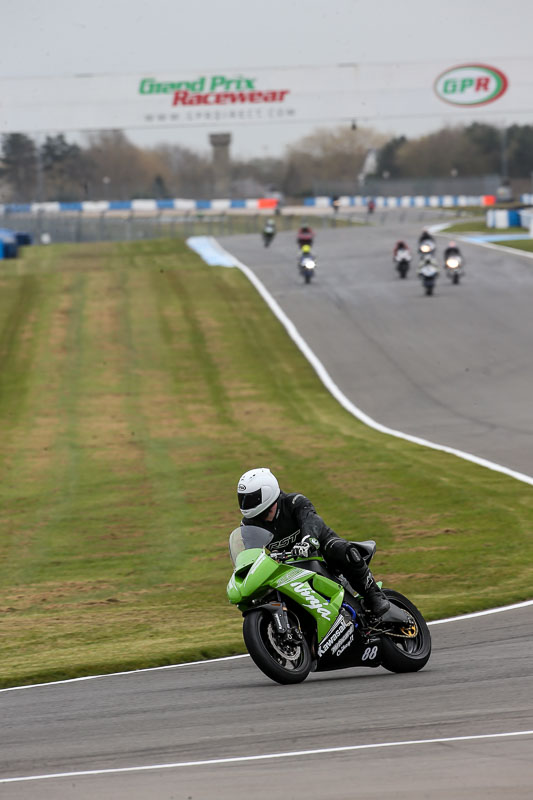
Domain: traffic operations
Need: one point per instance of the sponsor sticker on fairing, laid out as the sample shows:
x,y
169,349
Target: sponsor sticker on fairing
x,y
337,629
344,642
291,575
314,601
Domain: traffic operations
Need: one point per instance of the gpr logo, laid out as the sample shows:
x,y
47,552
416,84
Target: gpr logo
x,y
471,85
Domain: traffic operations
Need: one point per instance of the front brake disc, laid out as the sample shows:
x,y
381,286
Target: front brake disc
x,y
289,651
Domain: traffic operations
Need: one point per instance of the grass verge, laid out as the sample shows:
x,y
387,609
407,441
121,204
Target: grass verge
x,y
136,385
521,244
480,226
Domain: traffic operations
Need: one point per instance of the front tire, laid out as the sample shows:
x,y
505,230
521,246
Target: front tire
x,y
283,662
401,654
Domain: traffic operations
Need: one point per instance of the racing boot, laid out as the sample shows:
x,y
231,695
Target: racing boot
x,y
346,557
373,598
362,579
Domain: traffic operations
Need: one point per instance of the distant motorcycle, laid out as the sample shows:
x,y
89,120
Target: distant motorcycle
x,y
307,266
453,266
426,247
428,274
402,259
268,234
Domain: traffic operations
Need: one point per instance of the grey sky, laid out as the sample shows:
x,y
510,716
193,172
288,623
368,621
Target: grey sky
x,y
61,37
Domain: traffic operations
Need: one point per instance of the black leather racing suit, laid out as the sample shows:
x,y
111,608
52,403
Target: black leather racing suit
x,y
295,518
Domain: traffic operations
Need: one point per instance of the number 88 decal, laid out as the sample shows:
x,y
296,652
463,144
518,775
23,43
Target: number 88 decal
x,y
370,653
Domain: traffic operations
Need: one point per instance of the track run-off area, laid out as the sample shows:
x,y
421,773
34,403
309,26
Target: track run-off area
x,y
454,369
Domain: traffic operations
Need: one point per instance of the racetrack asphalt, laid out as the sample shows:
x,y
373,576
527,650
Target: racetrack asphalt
x,y
478,682
454,368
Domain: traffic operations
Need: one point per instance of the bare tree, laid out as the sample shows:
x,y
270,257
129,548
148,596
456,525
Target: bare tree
x,y
328,156
121,170
187,174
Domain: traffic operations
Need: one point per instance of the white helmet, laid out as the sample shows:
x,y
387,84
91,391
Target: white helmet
x,y
257,490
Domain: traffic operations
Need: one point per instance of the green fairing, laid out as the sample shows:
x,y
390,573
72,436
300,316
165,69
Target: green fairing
x,y
247,558
255,572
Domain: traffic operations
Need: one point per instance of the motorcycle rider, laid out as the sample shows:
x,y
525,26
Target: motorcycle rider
x,y
452,250
425,236
305,252
296,526
269,227
305,236
400,245
269,231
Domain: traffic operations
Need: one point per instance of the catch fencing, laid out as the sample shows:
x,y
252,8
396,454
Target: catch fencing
x,y
108,227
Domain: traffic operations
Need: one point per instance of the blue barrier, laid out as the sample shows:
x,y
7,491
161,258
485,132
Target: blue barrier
x,y
9,243
118,205
70,207
346,201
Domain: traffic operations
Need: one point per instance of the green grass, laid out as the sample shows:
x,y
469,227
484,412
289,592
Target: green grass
x,y
136,385
521,244
480,226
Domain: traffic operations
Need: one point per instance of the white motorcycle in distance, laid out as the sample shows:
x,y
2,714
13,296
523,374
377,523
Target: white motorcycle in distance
x,y
402,260
428,272
307,266
453,265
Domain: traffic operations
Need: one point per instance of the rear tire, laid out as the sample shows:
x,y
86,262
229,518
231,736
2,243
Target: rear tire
x,y
283,663
406,655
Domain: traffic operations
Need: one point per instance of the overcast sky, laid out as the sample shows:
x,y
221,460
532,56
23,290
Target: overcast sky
x,y
62,37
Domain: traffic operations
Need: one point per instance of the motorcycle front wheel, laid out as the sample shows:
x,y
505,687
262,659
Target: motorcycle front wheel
x,y
409,652
282,660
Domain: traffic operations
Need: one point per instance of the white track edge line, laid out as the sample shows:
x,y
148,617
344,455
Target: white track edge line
x,y
514,251
332,387
459,618
264,757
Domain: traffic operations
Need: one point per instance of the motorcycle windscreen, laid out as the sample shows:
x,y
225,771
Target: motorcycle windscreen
x,y
247,537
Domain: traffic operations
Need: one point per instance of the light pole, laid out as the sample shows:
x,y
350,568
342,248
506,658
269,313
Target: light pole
x,y
503,154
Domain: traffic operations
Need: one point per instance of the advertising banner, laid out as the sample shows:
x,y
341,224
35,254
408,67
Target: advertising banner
x,y
385,96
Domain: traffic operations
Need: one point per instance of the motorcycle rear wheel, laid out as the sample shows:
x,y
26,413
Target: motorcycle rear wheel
x,y
406,655
282,662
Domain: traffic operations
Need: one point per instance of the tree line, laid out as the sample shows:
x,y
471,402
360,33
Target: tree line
x,y
109,166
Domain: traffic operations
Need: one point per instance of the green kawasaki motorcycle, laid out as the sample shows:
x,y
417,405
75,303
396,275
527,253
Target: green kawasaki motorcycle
x,y
299,617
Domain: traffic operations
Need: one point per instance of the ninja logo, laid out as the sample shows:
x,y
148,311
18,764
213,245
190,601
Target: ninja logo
x,y
313,600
